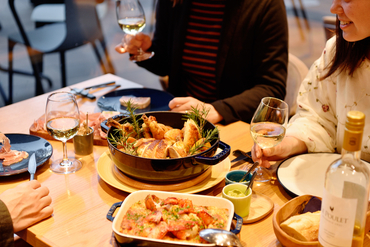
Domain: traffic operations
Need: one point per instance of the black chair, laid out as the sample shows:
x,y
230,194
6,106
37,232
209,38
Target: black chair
x,y
8,100
304,15
81,26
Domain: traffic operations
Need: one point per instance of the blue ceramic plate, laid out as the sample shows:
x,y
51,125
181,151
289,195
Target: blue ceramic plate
x,y
158,100
31,144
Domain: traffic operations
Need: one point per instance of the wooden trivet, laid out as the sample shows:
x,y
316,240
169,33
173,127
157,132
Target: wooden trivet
x,y
161,187
260,207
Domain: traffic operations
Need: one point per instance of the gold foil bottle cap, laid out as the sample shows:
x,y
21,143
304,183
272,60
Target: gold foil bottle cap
x,y
355,121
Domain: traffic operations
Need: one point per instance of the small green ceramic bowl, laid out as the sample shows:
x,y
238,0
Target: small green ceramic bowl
x,y
235,176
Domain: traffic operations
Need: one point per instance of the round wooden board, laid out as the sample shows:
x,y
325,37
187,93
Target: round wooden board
x,y
161,187
260,207
105,172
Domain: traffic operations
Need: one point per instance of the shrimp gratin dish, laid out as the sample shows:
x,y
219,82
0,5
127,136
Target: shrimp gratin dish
x,y
171,217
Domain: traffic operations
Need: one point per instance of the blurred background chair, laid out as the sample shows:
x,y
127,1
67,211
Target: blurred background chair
x,y
51,11
297,71
329,23
48,13
2,93
8,100
81,26
298,19
19,72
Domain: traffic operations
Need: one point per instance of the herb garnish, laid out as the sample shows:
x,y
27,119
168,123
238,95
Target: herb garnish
x,y
135,123
121,139
199,117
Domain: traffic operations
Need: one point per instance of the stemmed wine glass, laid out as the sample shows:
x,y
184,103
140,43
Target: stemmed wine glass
x,y
131,19
268,128
62,119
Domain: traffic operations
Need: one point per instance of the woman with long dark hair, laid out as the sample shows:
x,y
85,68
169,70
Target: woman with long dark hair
x,y
338,82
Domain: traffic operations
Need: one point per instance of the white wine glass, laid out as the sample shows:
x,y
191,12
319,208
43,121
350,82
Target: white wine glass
x,y
62,119
268,127
131,19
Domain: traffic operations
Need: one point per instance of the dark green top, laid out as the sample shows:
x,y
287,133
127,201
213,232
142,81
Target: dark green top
x,y
6,227
252,59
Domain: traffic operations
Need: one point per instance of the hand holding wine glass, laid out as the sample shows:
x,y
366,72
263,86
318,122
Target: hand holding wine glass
x,y
131,19
62,119
268,127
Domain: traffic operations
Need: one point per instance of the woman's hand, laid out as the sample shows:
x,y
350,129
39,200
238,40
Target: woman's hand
x,y
183,104
131,44
27,204
288,147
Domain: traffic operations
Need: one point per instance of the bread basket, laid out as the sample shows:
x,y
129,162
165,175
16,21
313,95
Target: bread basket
x,y
293,207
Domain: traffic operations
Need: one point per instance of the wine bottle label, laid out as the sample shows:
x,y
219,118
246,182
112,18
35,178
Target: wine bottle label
x,y
337,220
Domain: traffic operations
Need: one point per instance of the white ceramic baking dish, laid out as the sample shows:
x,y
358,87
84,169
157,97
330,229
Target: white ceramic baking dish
x,y
140,195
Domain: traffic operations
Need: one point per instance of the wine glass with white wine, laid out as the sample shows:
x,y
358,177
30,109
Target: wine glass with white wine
x,y
62,119
268,128
131,19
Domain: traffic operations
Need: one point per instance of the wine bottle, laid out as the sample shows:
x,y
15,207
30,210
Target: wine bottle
x,y
346,191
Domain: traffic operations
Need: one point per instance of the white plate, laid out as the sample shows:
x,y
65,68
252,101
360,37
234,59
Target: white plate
x,y
305,174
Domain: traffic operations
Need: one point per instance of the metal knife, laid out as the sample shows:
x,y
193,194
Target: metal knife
x,y
83,92
255,164
32,166
107,84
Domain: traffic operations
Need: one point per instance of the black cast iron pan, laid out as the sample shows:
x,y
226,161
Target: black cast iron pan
x,y
165,170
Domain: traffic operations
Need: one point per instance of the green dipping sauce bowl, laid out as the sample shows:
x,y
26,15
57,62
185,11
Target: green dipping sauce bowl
x,y
242,200
235,193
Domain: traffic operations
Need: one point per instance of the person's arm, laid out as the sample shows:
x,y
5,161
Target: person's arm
x,y
162,40
131,44
6,227
161,43
27,204
261,68
184,104
290,146
316,120
313,127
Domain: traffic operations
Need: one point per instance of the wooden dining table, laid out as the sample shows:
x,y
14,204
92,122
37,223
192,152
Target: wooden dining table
x,y
82,199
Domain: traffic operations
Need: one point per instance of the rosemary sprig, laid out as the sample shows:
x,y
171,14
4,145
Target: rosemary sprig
x,y
120,140
209,136
199,117
135,123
